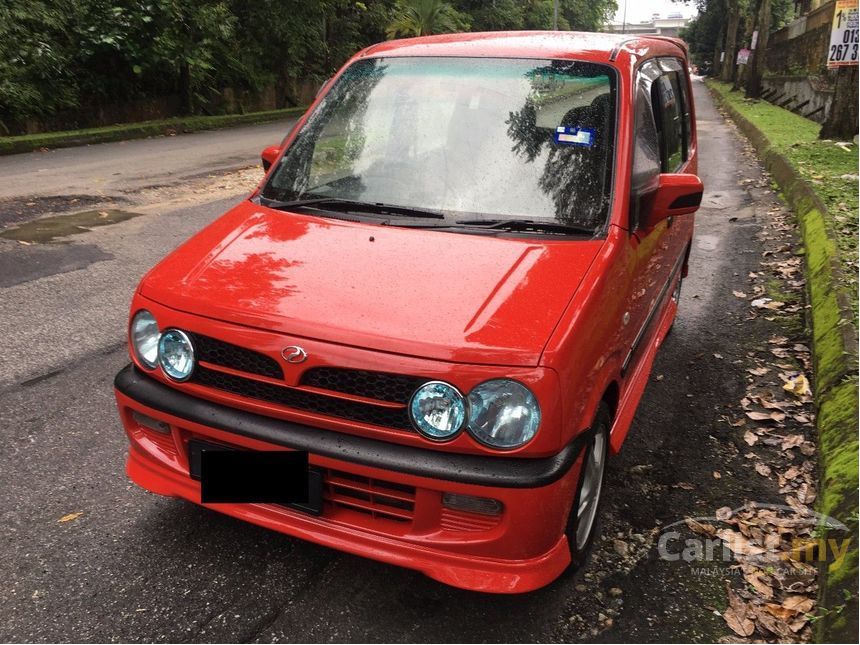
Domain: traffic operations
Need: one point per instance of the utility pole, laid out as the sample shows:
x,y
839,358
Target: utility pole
x,y
555,15
624,19
757,66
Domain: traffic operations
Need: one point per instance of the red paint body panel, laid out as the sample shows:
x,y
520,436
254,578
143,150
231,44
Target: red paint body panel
x,y
458,298
578,322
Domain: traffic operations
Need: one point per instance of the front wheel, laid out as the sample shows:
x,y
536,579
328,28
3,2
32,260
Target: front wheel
x,y
582,522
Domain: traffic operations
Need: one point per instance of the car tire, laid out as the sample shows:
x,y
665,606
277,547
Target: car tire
x,y
583,522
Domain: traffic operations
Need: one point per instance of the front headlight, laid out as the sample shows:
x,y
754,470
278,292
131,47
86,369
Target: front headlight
x,y
503,414
437,410
176,354
144,338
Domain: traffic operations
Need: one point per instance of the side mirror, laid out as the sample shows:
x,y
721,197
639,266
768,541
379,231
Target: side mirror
x,y
269,156
676,194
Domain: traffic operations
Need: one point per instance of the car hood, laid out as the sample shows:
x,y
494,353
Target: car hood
x,y
418,292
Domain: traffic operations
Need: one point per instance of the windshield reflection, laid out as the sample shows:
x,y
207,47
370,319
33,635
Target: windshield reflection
x,y
478,138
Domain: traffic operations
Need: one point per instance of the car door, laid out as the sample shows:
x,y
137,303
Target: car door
x,y
659,146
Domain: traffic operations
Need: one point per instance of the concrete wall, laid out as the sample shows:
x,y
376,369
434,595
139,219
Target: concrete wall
x,y
806,95
796,75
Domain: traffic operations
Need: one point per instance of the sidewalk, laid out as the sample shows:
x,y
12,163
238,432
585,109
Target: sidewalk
x,y
819,179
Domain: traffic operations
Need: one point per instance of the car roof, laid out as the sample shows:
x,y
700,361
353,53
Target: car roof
x,y
598,47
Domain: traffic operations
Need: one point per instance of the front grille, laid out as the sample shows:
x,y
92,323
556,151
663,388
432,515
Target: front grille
x,y
374,497
394,388
303,400
217,352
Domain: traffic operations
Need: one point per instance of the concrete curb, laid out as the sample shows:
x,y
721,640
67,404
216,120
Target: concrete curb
x,y
129,131
836,390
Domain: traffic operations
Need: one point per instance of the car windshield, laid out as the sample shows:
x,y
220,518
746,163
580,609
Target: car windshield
x,y
474,139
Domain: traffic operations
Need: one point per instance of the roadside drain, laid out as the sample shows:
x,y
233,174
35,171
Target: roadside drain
x,y
48,229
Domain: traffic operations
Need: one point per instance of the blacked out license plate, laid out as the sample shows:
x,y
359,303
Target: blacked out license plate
x,y
231,476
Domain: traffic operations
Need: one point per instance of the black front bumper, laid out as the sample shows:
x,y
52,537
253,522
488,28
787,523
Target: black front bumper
x,y
504,472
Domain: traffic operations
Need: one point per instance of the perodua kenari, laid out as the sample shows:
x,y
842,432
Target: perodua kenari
x,y
448,292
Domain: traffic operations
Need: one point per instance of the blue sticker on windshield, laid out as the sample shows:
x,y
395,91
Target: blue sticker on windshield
x,y
568,136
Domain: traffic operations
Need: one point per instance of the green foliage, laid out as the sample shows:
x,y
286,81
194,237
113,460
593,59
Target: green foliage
x,y
424,18
574,15
35,78
705,29
63,61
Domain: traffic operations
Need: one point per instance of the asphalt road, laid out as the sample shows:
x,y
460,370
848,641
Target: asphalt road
x,y
111,169
134,566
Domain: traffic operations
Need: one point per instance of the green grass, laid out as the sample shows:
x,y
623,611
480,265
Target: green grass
x,y
143,129
821,163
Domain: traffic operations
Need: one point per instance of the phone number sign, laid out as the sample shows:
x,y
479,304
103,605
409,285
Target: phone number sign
x,y
844,35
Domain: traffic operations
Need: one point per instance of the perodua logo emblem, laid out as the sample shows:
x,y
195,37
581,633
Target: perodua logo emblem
x,y
294,354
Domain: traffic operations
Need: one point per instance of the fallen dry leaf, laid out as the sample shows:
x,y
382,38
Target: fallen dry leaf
x,y
792,441
755,578
767,621
736,614
739,544
758,371
700,527
723,513
791,473
69,517
750,437
797,625
766,416
717,474
767,303
763,469
740,625
799,386
800,604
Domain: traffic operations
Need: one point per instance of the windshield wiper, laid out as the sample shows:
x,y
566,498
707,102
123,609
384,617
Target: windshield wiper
x,y
526,225
336,203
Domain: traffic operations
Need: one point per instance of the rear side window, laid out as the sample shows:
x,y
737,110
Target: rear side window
x,y
670,124
672,113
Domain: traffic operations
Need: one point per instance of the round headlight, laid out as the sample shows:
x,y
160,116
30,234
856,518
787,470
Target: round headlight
x,y
144,338
437,410
176,354
503,414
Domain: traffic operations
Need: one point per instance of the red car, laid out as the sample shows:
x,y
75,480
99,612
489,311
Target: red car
x,y
448,290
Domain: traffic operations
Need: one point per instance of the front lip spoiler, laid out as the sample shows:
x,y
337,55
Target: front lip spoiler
x,y
502,472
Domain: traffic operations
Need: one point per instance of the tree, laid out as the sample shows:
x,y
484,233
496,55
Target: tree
x,y
195,38
35,79
426,17
586,15
757,67
729,67
841,123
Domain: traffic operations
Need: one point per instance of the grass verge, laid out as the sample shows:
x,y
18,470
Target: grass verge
x,y
819,179
141,130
